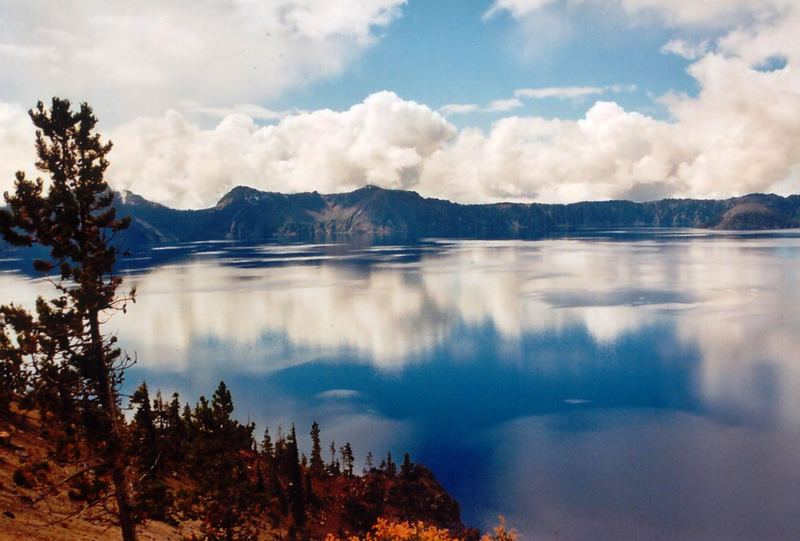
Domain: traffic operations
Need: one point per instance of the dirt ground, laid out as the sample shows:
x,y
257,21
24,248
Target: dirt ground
x,y
25,515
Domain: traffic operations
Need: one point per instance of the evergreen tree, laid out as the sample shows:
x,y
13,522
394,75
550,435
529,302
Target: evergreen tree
x,y
159,411
391,467
334,464
317,465
294,473
279,452
266,446
226,491
369,464
152,497
348,459
310,499
222,407
145,446
17,341
75,220
407,468
173,437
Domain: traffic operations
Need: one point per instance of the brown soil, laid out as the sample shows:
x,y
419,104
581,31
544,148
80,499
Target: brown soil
x,y
30,513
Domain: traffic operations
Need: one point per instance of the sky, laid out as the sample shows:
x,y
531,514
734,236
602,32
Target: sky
x,y
471,100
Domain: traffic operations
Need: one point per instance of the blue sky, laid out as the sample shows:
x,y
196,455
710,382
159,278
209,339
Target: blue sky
x,y
472,101
437,55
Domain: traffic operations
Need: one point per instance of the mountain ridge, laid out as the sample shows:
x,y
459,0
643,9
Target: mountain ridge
x,y
245,213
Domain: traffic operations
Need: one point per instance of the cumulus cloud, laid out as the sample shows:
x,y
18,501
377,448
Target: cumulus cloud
x,y
384,140
739,134
149,55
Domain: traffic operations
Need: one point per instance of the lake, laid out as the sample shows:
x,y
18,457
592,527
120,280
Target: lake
x,y
606,385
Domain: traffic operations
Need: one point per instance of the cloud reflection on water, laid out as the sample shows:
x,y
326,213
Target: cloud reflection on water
x,y
613,388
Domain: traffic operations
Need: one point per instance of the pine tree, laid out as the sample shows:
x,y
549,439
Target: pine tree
x,y
296,497
348,459
17,341
173,438
310,498
145,446
317,465
334,464
226,491
76,221
369,464
152,496
266,446
159,411
391,467
407,468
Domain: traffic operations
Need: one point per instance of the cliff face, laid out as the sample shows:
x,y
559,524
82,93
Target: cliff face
x,y
751,215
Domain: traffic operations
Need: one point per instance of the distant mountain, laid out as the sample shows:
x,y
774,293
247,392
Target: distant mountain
x,y
249,214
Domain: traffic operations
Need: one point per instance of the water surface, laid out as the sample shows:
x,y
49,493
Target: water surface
x,y
613,385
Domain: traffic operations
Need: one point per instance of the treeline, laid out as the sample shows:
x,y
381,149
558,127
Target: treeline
x,y
201,463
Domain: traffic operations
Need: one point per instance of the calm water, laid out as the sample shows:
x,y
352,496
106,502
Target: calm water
x,y
615,386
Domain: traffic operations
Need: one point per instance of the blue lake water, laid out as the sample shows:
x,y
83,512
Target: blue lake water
x,y
612,385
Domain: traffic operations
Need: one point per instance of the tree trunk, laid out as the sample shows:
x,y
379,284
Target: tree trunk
x,y
108,401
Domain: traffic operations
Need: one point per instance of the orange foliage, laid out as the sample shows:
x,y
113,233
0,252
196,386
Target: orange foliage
x,y
384,530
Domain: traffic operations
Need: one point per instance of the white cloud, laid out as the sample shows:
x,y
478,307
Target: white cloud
x,y
714,13
685,49
384,141
517,8
560,92
499,106
256,112
706,13
459,108
543,25
740,134
16,144
571,92
509,104
494,106
146,56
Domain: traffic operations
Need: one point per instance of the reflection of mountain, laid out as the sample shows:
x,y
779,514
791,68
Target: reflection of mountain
x,y
246,213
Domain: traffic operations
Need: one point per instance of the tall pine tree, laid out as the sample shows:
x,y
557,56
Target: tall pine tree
x,y
75,220
317,465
